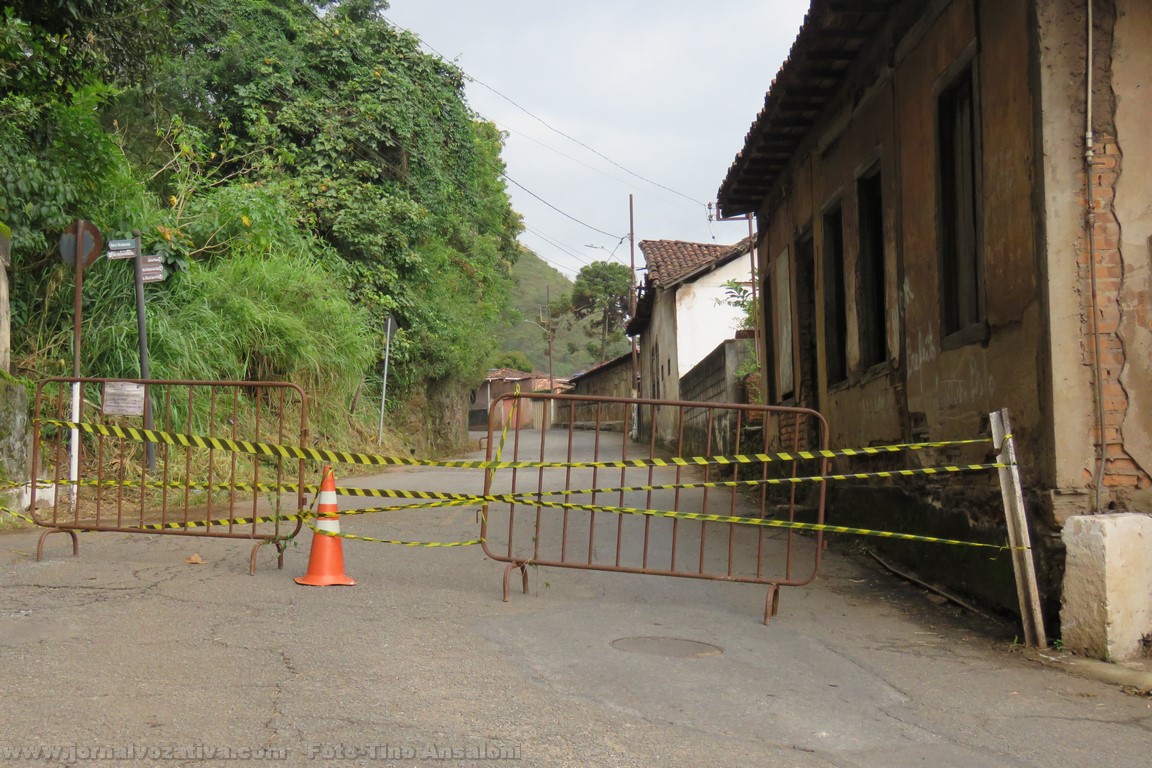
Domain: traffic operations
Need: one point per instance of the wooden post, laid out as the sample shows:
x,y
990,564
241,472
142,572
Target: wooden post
x,y
1019,539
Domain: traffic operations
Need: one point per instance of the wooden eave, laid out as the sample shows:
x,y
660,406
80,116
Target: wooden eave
x,y
832,38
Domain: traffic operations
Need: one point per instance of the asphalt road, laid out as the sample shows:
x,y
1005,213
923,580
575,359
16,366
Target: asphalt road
x,y
130,655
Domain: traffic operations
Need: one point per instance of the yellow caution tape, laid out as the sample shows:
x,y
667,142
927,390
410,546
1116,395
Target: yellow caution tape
x,y
770,523
399,542
343,457
17,515
465,499
531,500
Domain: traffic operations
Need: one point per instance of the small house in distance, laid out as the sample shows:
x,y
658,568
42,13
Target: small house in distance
x,y
611,379
682,316
502,381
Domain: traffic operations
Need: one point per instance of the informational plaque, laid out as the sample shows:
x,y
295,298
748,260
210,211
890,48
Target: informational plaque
x,y
123,398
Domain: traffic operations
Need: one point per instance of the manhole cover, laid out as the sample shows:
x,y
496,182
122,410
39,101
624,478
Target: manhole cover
x,y
667,646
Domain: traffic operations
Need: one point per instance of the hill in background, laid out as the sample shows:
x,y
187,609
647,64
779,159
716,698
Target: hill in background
x,y
534,277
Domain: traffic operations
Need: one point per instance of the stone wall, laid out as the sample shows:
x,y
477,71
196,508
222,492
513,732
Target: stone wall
x,y
14,439
713,380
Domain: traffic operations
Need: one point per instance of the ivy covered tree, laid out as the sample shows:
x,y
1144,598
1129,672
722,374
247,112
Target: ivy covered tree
x,y
253,141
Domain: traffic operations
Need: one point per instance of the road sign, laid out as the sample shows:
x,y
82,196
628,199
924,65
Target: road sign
x,y
152,268
91,241
121,249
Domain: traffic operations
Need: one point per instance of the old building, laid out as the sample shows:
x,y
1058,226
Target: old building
x,y
953,217
682,315
507,381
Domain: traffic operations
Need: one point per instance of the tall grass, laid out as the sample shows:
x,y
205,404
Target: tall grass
x,y
243,318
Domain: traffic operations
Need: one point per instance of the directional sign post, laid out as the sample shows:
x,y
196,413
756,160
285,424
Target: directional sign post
x,y
151,268
123,249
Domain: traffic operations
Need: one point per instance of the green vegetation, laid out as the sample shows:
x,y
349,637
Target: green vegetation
x,y
526,316
602,295
303,169
577,325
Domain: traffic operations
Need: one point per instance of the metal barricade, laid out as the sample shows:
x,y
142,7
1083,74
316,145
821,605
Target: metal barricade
x,y
670,488
102,479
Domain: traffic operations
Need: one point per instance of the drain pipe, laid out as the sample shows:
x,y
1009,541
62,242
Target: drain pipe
x,y
1089,157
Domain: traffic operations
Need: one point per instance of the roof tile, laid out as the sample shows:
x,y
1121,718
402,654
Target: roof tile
x,y
670,260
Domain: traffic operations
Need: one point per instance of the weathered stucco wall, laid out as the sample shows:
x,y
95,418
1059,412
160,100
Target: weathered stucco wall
x,y
953,383
1117,308
703,319
1132,87
1061,56
947,385
659,372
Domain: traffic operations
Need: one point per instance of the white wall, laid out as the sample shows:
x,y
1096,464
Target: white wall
x,y
702,319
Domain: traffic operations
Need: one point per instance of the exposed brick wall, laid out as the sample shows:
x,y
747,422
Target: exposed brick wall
x,y
1120,471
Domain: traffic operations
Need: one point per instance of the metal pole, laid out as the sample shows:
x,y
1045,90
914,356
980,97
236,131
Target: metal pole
x,y
384,388
632,294
551,380
74,448
142,332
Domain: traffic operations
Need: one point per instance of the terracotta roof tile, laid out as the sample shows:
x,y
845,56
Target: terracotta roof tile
x,y
670,260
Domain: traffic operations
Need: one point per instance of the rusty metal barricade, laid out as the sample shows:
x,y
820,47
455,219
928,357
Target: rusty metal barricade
x,y
669,488
116,483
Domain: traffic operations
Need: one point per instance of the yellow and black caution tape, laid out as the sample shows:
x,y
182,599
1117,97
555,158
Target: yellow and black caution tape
x,y
529,499
770,523
465,498
399,542
775,480
431,499
218,522
276,450
17,515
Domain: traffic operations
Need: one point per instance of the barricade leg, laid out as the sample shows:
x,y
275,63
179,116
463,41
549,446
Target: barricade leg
x,y
46,534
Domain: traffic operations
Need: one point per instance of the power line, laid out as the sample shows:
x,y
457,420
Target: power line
x,y
492,165
582,144
555,244
589,166
562,213
544,122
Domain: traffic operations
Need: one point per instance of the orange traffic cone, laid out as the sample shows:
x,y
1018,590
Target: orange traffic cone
x,y
326,560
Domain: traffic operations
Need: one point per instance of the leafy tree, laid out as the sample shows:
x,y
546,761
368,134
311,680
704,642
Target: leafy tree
x,y
371,142
603,292
514,359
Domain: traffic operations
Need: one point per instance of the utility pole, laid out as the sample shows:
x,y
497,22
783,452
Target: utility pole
x,y
632,295
548,332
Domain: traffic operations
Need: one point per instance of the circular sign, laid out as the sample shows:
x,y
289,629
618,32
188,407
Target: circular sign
x,y
91,243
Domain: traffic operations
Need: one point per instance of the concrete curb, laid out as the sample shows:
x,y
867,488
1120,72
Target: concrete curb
x,y
1129,677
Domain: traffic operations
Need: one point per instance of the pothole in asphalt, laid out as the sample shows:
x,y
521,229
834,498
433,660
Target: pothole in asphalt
x,y
673,647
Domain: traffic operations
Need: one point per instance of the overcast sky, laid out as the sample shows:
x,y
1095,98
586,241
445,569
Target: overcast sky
x,y
666,91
